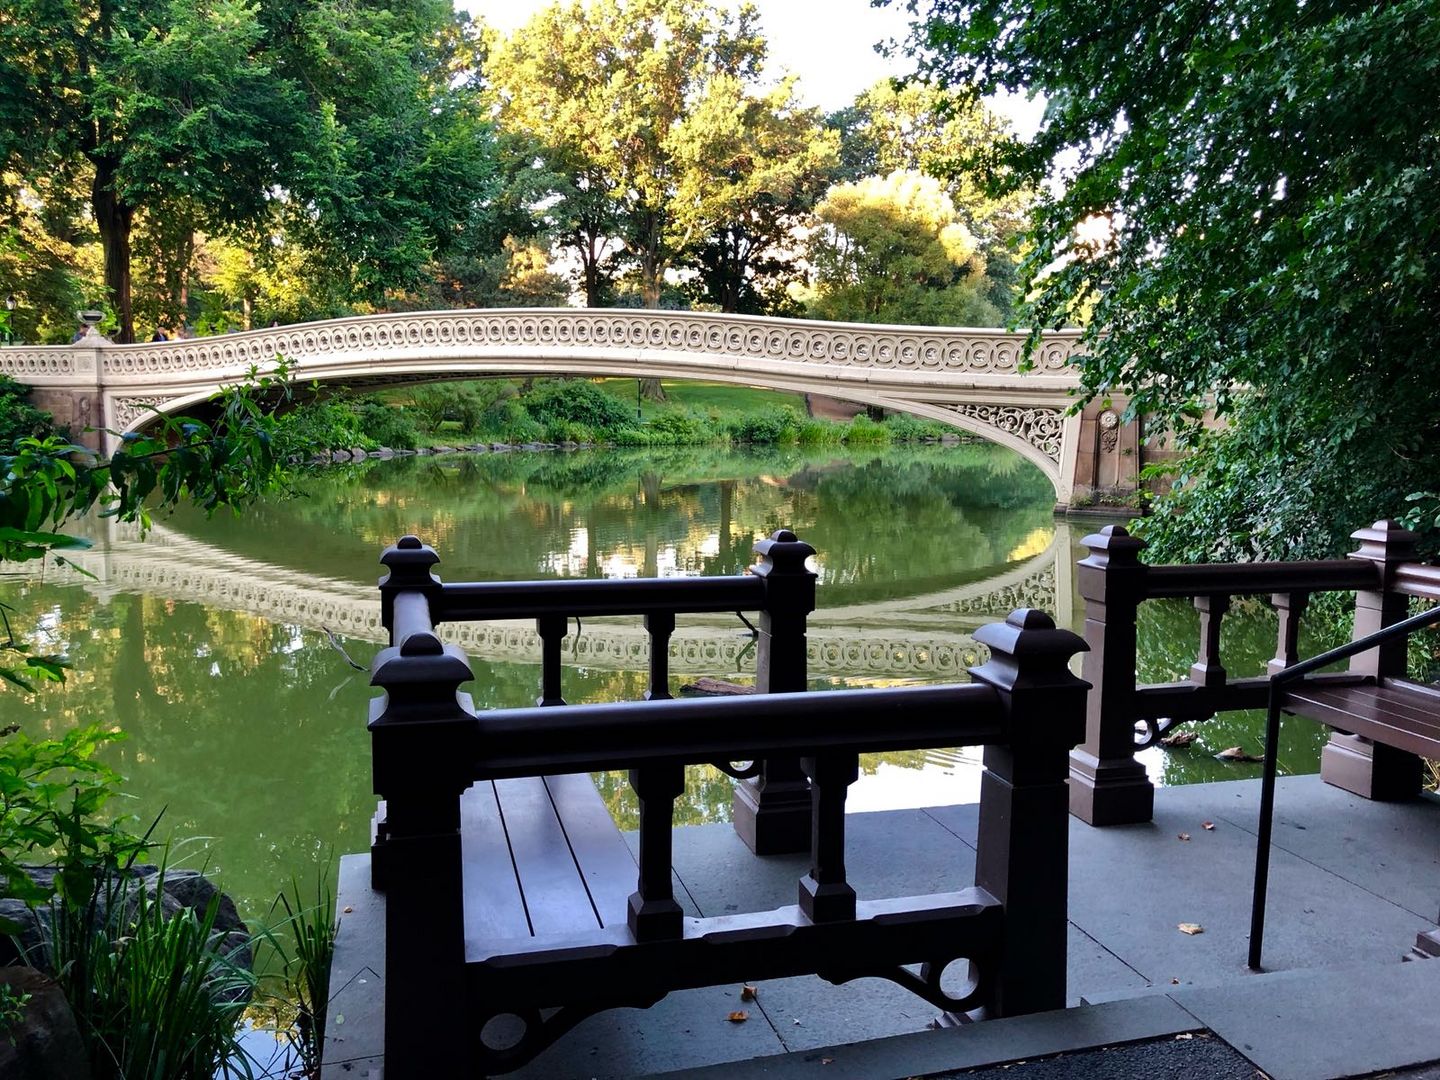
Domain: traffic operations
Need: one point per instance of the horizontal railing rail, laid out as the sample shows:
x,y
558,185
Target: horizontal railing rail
x,y
584,598
1258,578
600,738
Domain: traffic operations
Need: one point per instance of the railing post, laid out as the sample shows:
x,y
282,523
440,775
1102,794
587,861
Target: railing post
x,y
654,914
1022,852
1107,785
422,734
1374,770
772,812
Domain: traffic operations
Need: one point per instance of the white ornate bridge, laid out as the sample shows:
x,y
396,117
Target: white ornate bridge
x,y
969,378
921,637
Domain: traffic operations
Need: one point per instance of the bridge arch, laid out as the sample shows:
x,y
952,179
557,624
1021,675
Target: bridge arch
x,y
966,377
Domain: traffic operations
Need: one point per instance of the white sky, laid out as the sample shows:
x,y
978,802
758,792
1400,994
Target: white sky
x,y
829,44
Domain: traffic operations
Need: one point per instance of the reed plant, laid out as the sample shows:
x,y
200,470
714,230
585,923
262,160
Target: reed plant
x,y
303,944
154,989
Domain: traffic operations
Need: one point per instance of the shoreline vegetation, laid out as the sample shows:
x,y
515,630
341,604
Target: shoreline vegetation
x,y
547,414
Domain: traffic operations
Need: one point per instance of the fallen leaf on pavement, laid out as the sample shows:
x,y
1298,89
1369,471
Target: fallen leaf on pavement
x,y
348,910
826,1061
747,992
1235,753
1179,739
1183,836
739,1016
1208,826
1191,928
1185,1035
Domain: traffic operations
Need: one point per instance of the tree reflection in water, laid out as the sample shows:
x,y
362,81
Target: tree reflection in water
x,y
250,730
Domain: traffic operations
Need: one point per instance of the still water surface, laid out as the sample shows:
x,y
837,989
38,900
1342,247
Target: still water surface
x,y
223,646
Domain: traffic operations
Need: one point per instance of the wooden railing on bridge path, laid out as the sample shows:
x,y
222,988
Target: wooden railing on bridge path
x,y
465,941
1108,786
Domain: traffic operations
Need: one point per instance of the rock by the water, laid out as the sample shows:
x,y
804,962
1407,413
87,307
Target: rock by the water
x,y
181,889
708,687
46,1044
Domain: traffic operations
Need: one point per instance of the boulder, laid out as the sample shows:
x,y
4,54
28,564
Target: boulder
x,y
384,453
357,454
46,1043
339,455
181,889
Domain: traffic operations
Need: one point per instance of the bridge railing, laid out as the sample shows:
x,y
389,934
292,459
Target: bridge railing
x,y
1108,786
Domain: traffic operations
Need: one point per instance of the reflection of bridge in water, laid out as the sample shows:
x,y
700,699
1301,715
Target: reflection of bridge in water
x,y
918,636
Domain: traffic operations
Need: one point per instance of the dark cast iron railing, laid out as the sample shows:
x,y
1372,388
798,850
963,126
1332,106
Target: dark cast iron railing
x,y
429,745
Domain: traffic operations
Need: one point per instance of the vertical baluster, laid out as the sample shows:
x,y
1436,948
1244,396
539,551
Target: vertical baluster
x,y
772,813
825,895
551,629
654,914
1290,607
1107,785
660,624
1208,670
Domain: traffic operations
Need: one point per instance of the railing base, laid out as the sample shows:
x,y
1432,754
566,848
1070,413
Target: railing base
x,y
1427,946
1110,793
775,820
1370,770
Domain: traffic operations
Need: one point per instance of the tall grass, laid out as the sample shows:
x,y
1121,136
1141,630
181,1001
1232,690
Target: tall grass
x,y
152,992
304,945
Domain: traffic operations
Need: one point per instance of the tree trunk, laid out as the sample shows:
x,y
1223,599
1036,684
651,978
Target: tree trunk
x,y
114,219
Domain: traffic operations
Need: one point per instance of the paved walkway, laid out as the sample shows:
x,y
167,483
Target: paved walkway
x,y
1352,883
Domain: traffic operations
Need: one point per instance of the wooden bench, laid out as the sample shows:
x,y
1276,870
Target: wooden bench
x,y
513,907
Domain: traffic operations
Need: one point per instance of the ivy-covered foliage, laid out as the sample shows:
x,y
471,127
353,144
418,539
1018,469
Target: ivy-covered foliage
x,y
1249,222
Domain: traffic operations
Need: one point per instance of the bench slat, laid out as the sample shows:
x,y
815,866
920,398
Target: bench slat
x,y
555,893
605,860
1396,717
494,907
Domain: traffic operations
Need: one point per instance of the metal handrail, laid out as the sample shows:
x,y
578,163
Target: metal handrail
x,y
1278,682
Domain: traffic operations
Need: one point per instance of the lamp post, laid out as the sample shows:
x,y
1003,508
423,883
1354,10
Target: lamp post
x,y
638,414
8,335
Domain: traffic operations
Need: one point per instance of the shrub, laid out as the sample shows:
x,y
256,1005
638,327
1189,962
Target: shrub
x,y
906,428
819,433
679,429
577,401
862,431
768,428
509,421
568,431
319,425
385,425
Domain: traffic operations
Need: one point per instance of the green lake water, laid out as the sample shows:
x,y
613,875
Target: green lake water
x,y
222,646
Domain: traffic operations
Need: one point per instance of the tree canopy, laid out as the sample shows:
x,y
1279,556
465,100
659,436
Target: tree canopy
x,y
891,249
1266,171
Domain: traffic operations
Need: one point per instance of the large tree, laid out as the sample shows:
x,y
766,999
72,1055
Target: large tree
x,y
750,168
612,87
149,103
922,127
1267,170
891,249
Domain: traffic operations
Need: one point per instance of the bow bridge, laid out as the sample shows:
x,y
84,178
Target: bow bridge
x,y
969,378
924,637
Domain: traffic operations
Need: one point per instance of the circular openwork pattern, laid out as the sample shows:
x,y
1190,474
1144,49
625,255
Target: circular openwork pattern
x,y
789,340
22,364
